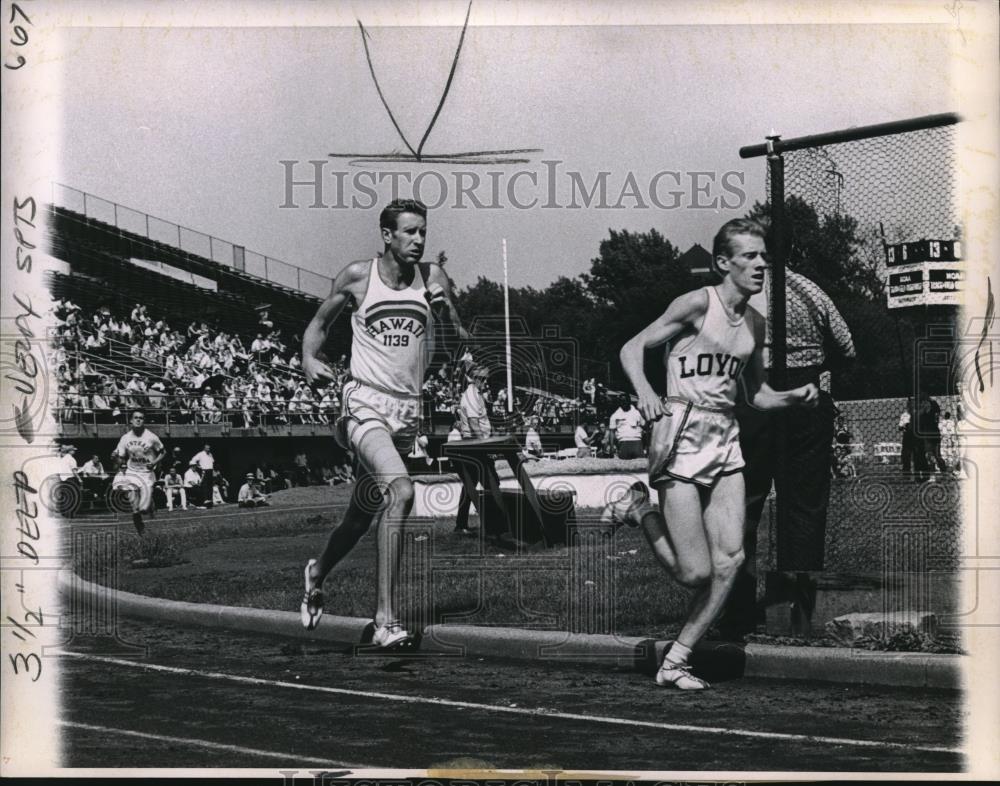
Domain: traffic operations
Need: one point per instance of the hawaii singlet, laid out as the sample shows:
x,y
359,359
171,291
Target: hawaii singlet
x,y
139,450
390,329
704,366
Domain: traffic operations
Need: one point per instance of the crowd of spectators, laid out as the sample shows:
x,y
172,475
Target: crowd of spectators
x,y
109,363
196,481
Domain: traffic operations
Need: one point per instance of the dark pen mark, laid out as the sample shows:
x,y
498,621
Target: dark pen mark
x,y
447,87
371,68
987,324
417,154
395,156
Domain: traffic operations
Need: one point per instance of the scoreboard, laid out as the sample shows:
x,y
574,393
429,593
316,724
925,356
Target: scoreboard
x,y
926,272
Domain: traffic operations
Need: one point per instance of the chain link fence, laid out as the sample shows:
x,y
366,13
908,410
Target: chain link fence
x,y
865,232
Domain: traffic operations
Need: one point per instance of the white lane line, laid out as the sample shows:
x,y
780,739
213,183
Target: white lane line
x,y
214,746
540,712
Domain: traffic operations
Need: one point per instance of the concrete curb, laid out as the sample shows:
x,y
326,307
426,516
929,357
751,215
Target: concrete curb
x,y
715,660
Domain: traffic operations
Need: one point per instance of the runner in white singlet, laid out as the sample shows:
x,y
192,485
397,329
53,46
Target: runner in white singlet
x,y
694,458
397,301
141,451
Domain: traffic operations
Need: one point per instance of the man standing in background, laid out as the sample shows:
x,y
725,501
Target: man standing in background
x,y
205,462
472,409
818,339
626,423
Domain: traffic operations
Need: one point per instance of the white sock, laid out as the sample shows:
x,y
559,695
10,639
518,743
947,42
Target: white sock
x,y
677,655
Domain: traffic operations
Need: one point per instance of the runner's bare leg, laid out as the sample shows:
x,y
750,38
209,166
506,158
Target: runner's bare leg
x,y
723,525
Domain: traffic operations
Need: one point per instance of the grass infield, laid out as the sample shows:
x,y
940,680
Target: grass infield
x,y
255,558
237,557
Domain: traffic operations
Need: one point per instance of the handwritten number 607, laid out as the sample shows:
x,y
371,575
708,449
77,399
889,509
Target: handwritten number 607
x,y
20,35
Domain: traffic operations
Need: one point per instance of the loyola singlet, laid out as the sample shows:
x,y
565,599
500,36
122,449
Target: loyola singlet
x,y
390,329
704,366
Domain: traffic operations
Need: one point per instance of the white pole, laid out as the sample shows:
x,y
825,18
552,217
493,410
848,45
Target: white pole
x,y
506,330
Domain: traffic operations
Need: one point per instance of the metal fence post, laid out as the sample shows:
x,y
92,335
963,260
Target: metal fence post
x,y
779,343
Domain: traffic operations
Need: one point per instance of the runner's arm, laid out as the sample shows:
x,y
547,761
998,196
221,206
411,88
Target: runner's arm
x,y
759,393
442,300
160,452
313,365
684,312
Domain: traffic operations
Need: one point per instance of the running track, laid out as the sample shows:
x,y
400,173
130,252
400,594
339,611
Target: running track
x,y
203,698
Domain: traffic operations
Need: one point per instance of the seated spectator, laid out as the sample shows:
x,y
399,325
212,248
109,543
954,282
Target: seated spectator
x,y
210,412
93,468
250,495
85,373
93,478
582,441
343,474
329,406
135,390
192,486
276,481
96,344
258,349
156,395
180,406
418,457
173,485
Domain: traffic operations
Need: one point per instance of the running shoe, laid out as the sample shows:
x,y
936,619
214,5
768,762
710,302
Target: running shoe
x,y
629,508
312,601
679,676
390,635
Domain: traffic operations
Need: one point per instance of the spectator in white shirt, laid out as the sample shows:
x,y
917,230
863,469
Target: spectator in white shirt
x,y
93,467
473,416
627,422
205,462
67,462
192,485
582,441
532,440
249,495
210,411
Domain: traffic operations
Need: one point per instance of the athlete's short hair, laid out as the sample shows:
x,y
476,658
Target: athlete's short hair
x,y
390,213
135,412
722,245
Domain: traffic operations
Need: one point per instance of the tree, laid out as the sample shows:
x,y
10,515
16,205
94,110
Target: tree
x,y
632,281
828,249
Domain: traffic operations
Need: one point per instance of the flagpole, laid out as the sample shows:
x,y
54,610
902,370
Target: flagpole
x,y
506,330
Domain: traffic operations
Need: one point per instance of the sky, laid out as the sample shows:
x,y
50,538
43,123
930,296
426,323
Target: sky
x,y
191,124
